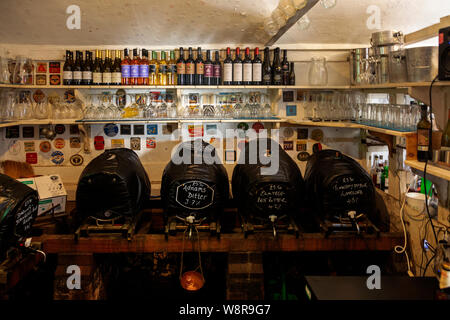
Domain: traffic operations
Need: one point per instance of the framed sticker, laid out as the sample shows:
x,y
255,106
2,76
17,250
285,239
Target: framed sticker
x,y
29,146
60,129
301,145
151,143
169,128
138,129
57,157
74,129
99,143
41,67
27,132
152,129
12,132
135,143
117,143
195,130
45,146
76,160
288,145
41,79
302,133
31,157
125,129
291,110
75,142
55,79
59,143
54,67
111,129
288,96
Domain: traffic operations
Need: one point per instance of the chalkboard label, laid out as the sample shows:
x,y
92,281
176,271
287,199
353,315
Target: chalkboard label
x,y
25,215
350,189
272,197
194,195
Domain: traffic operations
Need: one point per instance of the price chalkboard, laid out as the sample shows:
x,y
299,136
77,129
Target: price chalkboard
x,y
194,195
25,215
272,197
350,190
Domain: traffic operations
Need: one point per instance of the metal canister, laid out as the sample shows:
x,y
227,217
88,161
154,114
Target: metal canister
x,y
386,38
422,63
358,64
397,66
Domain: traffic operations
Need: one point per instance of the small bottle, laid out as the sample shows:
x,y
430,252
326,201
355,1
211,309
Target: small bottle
x,y
446,134
291,75
116,72
77,72
217,73
67,70
162,70
228,69
237,68
106,72
423,136
134,69
181,69
153,70
126,68
276,68
373,170
87,69
247,67
285,69
172,69
190,69
380,171
143,69
209,70
266,68
199,68
97,70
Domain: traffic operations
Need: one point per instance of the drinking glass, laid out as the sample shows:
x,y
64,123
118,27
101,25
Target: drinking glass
x,y
318,73
4,70
42,109
23,71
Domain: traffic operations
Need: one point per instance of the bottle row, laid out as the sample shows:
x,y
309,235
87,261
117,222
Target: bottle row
x,y
116,67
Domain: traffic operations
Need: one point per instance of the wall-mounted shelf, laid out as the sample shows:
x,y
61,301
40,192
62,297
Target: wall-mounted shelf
x,y
351,125
432,169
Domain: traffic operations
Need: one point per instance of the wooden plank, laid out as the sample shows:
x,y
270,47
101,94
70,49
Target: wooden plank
x,y
428,32
300,13
10,275
227,243
441,171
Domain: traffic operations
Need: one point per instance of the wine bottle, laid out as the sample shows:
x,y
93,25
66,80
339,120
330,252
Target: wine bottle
x,y
217,67
181,69
97,70
106,72
67,70
199,68
87,69
237,68
153,70
423,135
143,69
276,68
257,68
126,68
247,67
162,70
116,73
209,70
266,68
190,69
446,134
171,69
76,70
134,68
285,69
228,69
291,75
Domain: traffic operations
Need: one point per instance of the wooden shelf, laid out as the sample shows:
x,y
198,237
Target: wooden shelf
x,y
351,125
233,242
432,169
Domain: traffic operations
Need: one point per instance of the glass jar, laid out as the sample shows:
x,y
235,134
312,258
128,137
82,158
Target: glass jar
x,y
318,73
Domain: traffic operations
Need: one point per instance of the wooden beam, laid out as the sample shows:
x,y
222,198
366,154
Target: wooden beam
x,y
300,13
227,243
428,32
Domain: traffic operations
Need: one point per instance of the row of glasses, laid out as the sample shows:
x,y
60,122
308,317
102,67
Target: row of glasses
x,y
390,116
16,71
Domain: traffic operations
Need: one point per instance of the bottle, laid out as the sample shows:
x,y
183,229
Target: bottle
x,y
446,134
228,69
181,69
266,69
385,177
190,69
373,170
153,70
380,171
134,68
291,75
97,70
162,70
209,70
106,72
87,69
116,72
276,68
257,68
247,67
285,69
143,69
217,70
126,68
199,68
237,68
423,136
67,70
172,69
77,73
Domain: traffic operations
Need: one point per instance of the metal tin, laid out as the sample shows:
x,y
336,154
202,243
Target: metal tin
x,y
386,37
397,66
358,63
422,63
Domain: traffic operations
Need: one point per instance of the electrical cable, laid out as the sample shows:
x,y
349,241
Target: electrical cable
x,y
400,249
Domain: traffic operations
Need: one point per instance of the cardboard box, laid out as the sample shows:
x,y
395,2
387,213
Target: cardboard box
x,y
51,192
